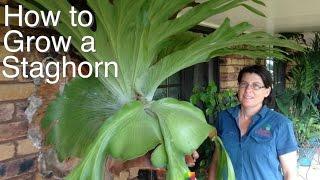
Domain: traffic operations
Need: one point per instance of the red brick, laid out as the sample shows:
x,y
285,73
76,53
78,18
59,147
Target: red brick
x,y
6,111
249,62
133,172
19,168
13,130
16,91
25,147
228,76
228,84
6,151
38,176
29,176
234,61
227,69
122,175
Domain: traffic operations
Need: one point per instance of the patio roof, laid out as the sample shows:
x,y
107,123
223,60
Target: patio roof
x,y
282,16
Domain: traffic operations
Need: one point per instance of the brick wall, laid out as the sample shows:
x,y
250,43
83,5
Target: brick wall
x,y
18,156
23,103
229,68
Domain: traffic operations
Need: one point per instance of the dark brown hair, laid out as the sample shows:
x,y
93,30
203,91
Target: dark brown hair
x,y
260,71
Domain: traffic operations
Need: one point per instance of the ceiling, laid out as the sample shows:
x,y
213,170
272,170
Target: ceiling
x,y
282,16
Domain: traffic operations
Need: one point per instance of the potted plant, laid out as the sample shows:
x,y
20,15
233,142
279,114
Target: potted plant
x,y
212,101
106,116
306,121
299,101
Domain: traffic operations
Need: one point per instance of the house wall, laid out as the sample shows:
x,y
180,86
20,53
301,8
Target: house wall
x,y
229,68
18,156
23,103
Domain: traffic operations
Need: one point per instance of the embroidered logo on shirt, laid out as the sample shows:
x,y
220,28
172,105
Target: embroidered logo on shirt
x,y
264,131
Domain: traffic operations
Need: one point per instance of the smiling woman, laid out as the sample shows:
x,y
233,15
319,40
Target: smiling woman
x,y
51,70
257,139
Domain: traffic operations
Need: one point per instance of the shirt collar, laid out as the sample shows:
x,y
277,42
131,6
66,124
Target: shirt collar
x,y
261,114
234,111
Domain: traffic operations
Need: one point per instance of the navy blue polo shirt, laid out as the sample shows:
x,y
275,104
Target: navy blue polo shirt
x,y
255,155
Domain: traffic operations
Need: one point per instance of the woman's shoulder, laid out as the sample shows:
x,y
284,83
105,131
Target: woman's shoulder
x,y
278,118
230,112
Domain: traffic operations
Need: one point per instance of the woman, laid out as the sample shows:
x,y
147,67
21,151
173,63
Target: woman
x,y
260,142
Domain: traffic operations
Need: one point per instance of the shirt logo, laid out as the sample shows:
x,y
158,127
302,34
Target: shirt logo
x,y
264,131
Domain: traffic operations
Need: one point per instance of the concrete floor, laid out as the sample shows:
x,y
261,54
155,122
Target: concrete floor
x,y
312,172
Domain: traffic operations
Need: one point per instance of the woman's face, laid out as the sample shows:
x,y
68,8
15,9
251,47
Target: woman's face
x,y
251,91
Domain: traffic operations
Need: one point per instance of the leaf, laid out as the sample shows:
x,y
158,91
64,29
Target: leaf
x,y
118,126
212,88
159,157
259,2
218,43
225,165
194,99
73,119
250,8
136,137
184,128
186,123
209,111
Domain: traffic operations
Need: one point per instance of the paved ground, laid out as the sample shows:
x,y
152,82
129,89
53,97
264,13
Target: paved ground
x,y
312,172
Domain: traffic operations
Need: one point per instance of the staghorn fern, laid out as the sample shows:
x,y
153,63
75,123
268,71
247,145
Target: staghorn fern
x,y
99,117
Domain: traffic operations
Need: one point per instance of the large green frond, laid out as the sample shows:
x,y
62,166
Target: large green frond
x,y
136,35
183,128
225,167
128,134
225,40
117,86
194,16
72,121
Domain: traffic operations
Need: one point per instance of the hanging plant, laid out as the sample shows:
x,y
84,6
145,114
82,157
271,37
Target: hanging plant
x,y
106,116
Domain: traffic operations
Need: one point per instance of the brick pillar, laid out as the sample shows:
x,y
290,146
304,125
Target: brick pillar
x,y
230,67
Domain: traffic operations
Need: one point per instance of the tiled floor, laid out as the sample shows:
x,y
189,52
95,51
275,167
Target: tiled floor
x,y
312,172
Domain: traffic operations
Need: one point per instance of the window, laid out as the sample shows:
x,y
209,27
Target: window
x,y
277,70
171,87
